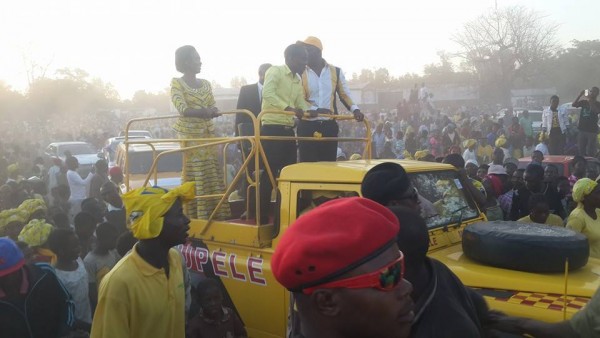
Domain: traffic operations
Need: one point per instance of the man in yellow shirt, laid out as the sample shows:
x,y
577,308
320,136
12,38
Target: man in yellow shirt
x,y
540,212
144,294
282,91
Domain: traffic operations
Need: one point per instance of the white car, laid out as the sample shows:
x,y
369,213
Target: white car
x,y
85,153
536,117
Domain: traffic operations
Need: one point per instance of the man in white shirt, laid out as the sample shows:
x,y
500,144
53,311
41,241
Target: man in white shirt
x,y
554,123
77,185
322,84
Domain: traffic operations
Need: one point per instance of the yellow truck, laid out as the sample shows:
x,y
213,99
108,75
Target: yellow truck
x,y
238,251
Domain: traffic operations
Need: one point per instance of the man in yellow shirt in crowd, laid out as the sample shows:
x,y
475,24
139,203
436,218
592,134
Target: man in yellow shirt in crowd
x,y
144,294
540,212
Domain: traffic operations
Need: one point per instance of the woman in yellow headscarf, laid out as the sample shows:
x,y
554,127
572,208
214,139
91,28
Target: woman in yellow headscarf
x,y
501,143
586,217
12,222
35,235
194,100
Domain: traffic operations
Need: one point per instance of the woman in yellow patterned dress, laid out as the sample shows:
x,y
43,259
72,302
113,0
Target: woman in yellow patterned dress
x,y
193,99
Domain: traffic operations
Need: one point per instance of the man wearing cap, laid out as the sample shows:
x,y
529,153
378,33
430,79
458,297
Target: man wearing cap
x,y
116,176
388,184
33,302
282,91
124,307
323,83
343,266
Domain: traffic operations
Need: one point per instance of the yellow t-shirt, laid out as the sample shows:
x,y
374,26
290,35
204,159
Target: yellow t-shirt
x,y
581,222
551,220
137,300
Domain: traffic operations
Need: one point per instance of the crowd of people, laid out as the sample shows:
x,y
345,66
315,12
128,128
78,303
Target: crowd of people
x,y
78,258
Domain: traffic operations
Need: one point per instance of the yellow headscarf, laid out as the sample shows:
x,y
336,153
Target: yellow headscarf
x,y
469,143
35,233
420,154
355,157
500,141
407,155
12,215
146,207
11,169
582,188
32,205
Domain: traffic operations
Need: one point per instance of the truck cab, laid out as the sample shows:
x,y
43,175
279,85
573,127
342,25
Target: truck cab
x,y
238,251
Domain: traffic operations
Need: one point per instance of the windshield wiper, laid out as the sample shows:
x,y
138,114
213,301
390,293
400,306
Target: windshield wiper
x,y
459,223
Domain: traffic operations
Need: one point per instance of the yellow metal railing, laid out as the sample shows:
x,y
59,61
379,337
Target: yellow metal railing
x,y
253,158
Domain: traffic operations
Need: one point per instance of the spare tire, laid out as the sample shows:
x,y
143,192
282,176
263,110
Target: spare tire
x,y
525,246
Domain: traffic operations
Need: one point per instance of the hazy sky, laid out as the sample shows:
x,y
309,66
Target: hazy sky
x,y
131,43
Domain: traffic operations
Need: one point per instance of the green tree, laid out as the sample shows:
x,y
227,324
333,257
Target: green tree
x,y
71,92
576,68
143,100
12,103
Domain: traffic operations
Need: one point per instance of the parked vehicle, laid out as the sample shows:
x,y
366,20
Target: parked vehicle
x,y
137,133
561,162
139,160
536,118
112,144
83,151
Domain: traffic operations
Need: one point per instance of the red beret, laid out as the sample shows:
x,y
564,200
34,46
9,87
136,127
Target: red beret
x,y
115,171
332,239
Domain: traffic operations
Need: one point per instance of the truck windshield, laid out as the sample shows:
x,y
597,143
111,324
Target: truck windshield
x,y
140,162
443,199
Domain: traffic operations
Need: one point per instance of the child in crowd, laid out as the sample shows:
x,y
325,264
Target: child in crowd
x,y
214,320
540,212
71,272
99,261
85,225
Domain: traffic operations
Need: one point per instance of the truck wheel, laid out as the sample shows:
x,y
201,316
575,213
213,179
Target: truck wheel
x,y
525,246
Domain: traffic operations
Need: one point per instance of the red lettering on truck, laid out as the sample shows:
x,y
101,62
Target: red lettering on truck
x,y
234,273
218,260
255,270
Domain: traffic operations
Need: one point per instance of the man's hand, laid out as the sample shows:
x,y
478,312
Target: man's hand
x,y
299,113
214,112
358,115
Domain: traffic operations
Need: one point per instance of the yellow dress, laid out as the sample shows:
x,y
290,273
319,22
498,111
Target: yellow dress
x,y
580,221
201,165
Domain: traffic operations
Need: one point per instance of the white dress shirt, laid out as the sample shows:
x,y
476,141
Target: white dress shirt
x,y
320,91
78,185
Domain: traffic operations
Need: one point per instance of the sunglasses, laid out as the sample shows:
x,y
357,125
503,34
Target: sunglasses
x,y
412,195
386,279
